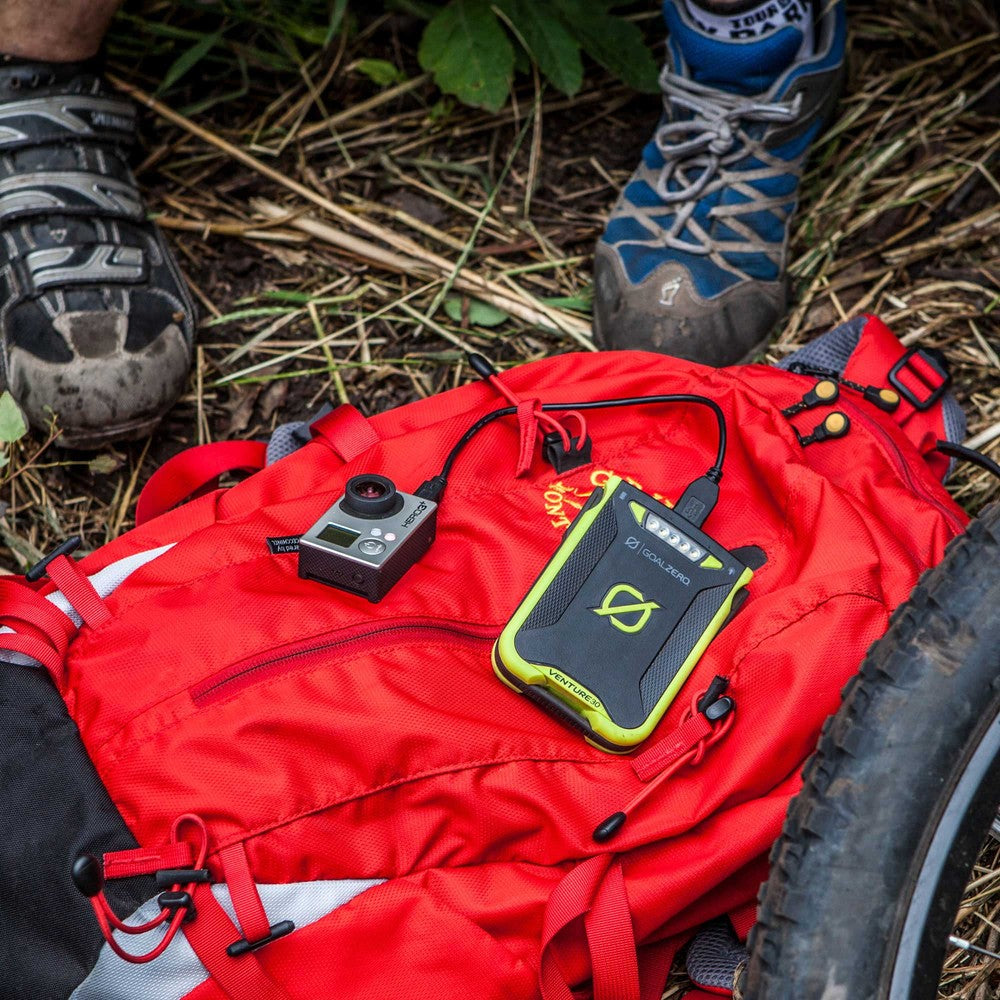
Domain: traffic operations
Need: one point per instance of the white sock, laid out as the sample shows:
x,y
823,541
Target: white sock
x,y
756,21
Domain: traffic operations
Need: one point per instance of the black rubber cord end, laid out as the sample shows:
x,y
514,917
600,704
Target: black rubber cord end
x,y
88,875
606,829
482,366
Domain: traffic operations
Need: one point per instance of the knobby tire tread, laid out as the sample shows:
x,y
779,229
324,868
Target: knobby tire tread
x,y
823,924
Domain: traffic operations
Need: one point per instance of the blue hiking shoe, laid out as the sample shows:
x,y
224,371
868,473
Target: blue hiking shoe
x,y
692,262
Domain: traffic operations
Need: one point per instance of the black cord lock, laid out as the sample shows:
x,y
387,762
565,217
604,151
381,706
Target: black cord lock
x,y
37,571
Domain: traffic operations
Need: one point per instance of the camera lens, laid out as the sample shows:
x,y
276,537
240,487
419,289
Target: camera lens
x,y
371,496
370,489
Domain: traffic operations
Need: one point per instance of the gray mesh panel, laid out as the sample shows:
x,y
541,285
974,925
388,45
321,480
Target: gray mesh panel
x,y
832,350
714,956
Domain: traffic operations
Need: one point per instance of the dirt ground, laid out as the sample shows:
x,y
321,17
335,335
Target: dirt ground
x,y
332,230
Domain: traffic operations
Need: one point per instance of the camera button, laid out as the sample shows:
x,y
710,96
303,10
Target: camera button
x,y
371,547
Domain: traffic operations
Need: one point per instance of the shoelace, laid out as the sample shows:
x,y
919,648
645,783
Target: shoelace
x,y
710,139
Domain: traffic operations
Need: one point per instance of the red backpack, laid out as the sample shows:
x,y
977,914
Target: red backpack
x,y
292,792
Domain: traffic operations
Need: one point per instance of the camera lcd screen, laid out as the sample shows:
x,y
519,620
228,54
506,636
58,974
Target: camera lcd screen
x,y
336,535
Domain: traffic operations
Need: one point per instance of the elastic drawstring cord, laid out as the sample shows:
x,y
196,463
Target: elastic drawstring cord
x,y
704,723
108,921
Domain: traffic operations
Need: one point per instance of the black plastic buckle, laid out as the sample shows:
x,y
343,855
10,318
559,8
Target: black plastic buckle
x,y
242,946
936,361
37,571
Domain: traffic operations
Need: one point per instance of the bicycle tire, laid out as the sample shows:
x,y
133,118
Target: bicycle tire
x,y
867,875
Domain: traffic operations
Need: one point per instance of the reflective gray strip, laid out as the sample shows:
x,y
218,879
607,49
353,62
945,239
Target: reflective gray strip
x,y
107,263
65,116
178,971
104,581
68,190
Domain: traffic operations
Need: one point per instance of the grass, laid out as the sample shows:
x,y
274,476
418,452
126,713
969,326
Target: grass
x,y
336,233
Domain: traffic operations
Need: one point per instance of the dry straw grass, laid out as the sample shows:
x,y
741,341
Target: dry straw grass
x,y
324,224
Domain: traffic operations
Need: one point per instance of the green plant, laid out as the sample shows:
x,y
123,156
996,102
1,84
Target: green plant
x,y
473,48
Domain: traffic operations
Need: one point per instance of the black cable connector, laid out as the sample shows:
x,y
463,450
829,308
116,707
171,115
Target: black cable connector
x,y
698,500
432,489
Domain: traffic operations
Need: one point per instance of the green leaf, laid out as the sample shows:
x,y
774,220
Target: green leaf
x,y
469,54
615,43
380,71
12,425
337,11
188,60
480,313
104,465
548,41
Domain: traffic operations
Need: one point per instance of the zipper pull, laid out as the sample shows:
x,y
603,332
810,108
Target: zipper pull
x,y
822,393
885,399
835,425
709,719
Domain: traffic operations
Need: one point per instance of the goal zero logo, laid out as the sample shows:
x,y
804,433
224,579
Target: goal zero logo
x,y
614,612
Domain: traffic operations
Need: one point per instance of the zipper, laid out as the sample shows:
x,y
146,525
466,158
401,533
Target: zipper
x,y
238,676
896,456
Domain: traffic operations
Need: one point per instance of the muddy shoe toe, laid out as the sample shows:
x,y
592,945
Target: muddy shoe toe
x,y
96,324
693,259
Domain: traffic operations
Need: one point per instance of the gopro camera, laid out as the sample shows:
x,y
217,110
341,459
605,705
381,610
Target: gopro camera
x,y
368,539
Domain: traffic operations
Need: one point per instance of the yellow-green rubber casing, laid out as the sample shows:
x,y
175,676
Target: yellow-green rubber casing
x,y
620,615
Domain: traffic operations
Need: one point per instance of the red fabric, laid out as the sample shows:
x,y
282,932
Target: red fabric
x,y
142,861
209,934
527,422
41,630
571,899
66,574
649,763
612,940
243,892
338,739
346,432
876,353
743,919
192,470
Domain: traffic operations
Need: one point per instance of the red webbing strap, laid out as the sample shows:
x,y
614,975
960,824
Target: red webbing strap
x,y
190,471
346,431
527,422
209,934
743,919
41,631
78,590
243,892
654,967
19,603
39,650
570,900
671,747
611,939
143,861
